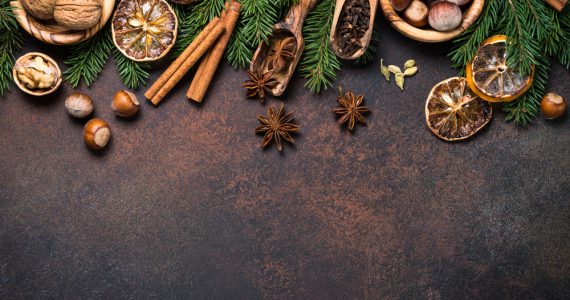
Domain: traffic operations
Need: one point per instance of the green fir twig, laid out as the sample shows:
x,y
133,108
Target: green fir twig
x,y
133,74
11,41
88,58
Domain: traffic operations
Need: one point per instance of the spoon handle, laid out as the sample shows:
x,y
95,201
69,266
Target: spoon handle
x,y
296,16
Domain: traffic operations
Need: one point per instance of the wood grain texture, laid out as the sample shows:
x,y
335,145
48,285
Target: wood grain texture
x,y
430,35
51,33
365,39
292,25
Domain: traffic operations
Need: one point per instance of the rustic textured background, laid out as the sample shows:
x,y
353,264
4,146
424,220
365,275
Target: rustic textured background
x,y
184,203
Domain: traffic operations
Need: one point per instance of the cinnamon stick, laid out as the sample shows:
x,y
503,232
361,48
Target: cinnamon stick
x,y
161,81
557,4
210,62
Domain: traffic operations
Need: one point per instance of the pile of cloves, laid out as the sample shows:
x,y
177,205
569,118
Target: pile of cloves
x,y
353,24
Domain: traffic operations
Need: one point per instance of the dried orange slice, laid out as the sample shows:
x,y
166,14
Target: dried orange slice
x,y
491,78
454,112
144,30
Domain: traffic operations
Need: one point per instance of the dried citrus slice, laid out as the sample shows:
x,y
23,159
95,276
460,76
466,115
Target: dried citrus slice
x,y
144,30
491,78
454,112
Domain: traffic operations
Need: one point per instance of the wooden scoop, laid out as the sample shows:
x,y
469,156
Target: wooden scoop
x,y
286,37
365,40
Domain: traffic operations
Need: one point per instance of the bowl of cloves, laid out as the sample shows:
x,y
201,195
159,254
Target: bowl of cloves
x,y
352,27
431,21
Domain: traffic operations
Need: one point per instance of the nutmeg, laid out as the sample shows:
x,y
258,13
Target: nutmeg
x,y
444,16
96,134
416,14
125,104
79,105
39,9
77,14
400,5
552,106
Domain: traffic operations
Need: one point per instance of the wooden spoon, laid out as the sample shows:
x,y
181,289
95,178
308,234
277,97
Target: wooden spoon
x,y
287,30
365,40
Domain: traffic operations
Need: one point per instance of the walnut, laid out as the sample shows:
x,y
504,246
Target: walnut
x,y
40,9
77,14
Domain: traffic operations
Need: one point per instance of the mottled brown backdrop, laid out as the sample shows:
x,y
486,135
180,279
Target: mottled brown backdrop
x,y
184,203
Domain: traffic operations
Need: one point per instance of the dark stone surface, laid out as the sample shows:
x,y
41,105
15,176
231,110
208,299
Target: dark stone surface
x,y
184,204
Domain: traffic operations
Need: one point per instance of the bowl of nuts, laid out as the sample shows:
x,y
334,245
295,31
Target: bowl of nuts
x,y
431,21
37,74
62,22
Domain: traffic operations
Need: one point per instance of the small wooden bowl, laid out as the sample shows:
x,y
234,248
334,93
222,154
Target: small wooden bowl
x,y
38,92
52,33
430,35
365,40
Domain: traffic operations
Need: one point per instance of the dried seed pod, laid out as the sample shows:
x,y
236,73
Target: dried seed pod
x,y
394,69
384,70
410,71
400,80
409,63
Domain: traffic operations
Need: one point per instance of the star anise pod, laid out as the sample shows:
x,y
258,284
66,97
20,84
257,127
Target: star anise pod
x,y
283,52
277,126
259,84
350,109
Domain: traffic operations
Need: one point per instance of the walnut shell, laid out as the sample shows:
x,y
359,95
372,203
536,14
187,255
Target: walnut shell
x,y
77,14
40,9
184,1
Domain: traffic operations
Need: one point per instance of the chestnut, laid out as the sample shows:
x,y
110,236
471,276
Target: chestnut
x,y
552,106
96,134
125,104
416,14
400,5
79,105
444,16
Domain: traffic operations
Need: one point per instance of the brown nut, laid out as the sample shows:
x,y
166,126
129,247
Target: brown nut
x,y
125,104
459,2
96,134
552,106
77,14
444,16
416,14
79,105
400,5
36,74
39,9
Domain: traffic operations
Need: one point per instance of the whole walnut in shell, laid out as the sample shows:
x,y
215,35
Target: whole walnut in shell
x,y
40,9
77,14
184,1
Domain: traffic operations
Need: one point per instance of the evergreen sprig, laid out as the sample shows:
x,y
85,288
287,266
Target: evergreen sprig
x,y
11,41
319,64
535,34
133,74
88,58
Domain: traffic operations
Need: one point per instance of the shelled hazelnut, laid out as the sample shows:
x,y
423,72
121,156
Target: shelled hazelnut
x,y
79,105
444,16
552,106
125,104
417,14
96,134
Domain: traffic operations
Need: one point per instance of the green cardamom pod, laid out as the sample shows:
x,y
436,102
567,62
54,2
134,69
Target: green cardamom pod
x,y
400,80
384,70
394,69
409,63
410,71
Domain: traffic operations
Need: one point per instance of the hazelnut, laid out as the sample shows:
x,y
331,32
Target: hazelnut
x,y
552,106
96,134
77,14
400,5
79,105
39,9
416,14
444,16
125,104
459,2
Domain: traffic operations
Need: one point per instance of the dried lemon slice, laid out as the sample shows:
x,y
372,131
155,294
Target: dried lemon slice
x,y
454,112
491,78
144,30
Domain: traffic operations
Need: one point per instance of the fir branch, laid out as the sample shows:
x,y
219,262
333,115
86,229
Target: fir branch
x,y
563,19
88,58
319,63
11,41
239,53
259,16
523,46
133,74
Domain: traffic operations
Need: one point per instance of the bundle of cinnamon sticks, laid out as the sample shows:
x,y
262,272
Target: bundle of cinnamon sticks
x,y
209,45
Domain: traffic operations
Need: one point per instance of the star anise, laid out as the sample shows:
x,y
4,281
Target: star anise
x,y
350,109
277,126
259,84
283,52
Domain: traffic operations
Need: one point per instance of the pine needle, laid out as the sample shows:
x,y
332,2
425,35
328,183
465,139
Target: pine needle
x,y
133,74
11,41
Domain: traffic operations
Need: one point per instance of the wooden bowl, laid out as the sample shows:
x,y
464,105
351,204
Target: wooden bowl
x,y
365,40
52,33
38,92
430,35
